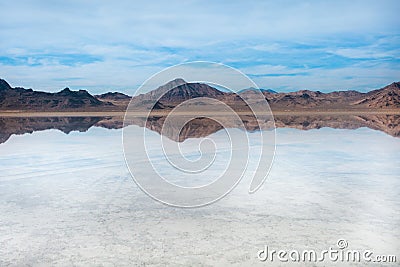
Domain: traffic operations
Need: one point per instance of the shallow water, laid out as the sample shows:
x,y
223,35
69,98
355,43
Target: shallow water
x,y
70,200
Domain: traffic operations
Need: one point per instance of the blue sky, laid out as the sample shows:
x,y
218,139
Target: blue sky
x,y
284,45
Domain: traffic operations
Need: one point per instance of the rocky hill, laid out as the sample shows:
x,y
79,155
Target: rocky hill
x,y
113,96
177,91
385,98
119,100
26,99
388,96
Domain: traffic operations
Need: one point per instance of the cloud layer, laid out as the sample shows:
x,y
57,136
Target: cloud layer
x,y
286,45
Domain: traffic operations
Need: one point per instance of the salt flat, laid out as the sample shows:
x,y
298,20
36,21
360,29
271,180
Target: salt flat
x,y
70,200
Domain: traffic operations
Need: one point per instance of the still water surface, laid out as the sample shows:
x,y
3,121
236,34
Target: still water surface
x,y
70,200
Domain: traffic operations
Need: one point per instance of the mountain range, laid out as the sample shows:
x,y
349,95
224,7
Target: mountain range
x,y
27,99
177,91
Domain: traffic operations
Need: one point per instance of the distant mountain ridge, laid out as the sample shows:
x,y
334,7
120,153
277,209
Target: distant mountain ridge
x,y
177,91
26,99
384,98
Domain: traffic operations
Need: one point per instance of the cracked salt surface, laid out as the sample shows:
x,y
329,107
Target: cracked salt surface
x,y
69,200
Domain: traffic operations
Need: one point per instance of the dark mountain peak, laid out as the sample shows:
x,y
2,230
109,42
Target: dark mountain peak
x,y
66,90
190,90
113,96
4,85
165,88
82,92
176,91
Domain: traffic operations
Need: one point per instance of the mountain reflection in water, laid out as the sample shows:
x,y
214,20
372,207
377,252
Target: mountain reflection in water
x,y
199,127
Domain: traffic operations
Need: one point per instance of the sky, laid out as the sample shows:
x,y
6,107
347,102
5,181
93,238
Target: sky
x,y
117,45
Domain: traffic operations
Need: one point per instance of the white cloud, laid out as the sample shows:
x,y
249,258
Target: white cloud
x,y
177,23
358,77
132,39
366,52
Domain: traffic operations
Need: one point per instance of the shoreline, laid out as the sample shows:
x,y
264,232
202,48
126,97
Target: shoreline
x,y
164,113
